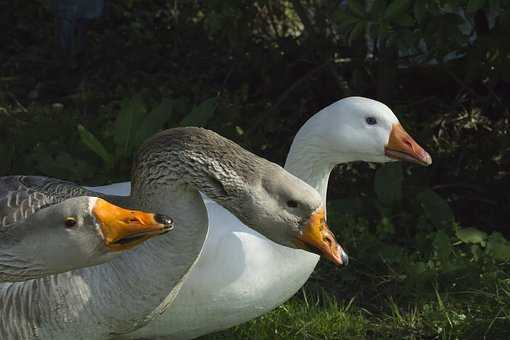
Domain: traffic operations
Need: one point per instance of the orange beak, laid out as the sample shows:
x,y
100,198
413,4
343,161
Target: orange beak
x,y
123,229
401,146
317,237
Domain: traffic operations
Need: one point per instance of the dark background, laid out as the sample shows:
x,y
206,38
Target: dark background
x,y
79,93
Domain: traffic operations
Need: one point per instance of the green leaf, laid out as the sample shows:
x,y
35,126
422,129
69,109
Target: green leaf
x,y
385,227
357,7
476,251
388,184
132,112
396,8
499,247
442,245
475,5
342,15
418,268
358,31
154,121
89,140
200,114
472,235
347,22
435,208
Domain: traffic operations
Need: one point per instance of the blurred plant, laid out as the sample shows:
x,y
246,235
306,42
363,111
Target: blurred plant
x,y
414,235
134,124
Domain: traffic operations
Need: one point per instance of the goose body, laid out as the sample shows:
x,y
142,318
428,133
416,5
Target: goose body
x,y
227,287
42,234
93,302
118,297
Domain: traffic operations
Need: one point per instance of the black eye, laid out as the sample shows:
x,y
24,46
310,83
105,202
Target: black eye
x,y
292,204
371,120
70,222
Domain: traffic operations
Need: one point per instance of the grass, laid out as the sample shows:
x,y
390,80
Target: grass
x,y
315,316
318,315
455,297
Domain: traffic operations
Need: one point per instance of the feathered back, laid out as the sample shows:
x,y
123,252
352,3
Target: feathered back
x,y
22,196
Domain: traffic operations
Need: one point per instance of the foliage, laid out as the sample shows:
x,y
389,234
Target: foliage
x,y
134,125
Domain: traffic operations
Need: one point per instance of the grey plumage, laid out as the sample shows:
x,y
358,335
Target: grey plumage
x,y
227,173
22,196
198,157
169,171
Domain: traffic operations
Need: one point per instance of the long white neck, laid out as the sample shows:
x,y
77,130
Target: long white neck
x,y
303,162
309,158
115,297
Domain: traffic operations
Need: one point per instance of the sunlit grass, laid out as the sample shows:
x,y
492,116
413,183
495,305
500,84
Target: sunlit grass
x,y
315,316
457,297
464,315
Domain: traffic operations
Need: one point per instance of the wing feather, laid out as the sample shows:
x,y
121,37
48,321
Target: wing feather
x,y
22,196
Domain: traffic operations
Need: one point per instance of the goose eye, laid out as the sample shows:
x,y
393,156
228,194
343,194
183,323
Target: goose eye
x,y
70,222
371,120
292,204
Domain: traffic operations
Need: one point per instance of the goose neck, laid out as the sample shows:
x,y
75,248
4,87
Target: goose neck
x,y
14,267
313,170
312,161
19,261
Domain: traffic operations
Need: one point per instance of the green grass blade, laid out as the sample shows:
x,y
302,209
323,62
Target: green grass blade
x,y
95,145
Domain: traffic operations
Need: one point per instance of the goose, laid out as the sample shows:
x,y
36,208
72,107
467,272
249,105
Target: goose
x,y
170,169
40,235
241,274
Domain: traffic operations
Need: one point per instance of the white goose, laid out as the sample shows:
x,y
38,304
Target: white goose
x,y
42,234
118,297
240,273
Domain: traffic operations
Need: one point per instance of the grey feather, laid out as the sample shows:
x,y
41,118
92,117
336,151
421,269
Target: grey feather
x,y
126,293
22,196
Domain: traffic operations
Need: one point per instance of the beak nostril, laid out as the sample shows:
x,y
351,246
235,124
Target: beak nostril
x,y
328,240
132,220
163,219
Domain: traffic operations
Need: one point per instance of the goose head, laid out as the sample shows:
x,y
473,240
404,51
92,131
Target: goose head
x,y
260,193
288,211
75,233
360,129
